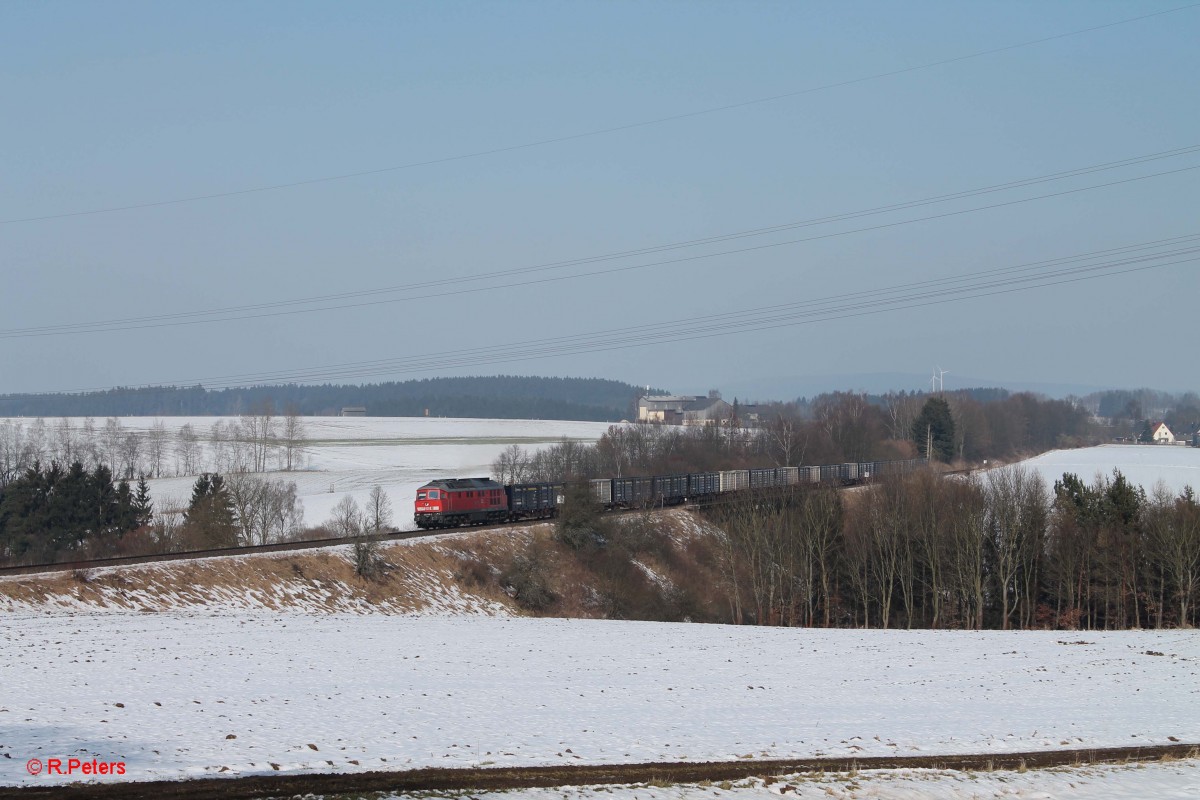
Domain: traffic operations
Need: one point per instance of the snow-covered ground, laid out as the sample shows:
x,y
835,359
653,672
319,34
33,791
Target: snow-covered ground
x,y
175,695
1142,464
350,455
1171,781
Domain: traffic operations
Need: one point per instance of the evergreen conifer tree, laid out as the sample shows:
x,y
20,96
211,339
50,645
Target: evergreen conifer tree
x,y
124,515
143,506
210,512
933,430
102,497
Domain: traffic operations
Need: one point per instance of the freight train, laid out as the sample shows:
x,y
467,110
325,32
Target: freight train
x,y
455,502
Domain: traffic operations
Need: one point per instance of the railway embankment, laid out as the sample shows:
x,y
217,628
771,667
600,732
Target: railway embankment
x,y
662,561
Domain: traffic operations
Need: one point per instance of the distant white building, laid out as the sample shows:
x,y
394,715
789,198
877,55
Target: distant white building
x,y
694,409
666,408
354,411
1161,434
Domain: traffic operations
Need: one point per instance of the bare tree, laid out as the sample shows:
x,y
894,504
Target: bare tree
x,y
886,540
110,440
223,456
292,439
346,519
282,512
156,447
187,450
13,455
243,496
37,440
767,550
902,409
266,510
131,453
512,465
1173,531
786,439
849,422
821,522
378,514
87,442
168,520
1017,509
257,431
966,548
66,441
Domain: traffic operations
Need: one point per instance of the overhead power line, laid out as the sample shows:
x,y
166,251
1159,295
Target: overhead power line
x,y
599,131
474,282
1028,276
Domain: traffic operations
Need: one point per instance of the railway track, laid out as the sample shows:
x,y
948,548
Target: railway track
x,y
279,547
186,555
504,778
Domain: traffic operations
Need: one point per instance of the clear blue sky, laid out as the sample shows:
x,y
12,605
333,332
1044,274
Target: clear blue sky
x,y
109,104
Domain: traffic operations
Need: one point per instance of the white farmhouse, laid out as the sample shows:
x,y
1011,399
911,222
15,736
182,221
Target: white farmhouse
x,y
1161,434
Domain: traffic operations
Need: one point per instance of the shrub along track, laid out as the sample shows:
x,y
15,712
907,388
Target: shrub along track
x,y
502,778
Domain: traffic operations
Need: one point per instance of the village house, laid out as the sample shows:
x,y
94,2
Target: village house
x,y
1160,433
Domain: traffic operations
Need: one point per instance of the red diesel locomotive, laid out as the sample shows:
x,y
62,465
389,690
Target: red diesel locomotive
x,y
451,502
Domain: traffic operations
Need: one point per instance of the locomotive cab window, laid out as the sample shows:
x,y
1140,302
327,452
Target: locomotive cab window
x,y
433,494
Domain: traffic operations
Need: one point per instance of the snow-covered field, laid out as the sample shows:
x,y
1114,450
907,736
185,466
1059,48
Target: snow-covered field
x,y
350,455
178,695
185,693
1143,464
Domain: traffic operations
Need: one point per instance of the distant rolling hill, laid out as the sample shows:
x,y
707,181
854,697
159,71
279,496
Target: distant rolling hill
x,y
497,397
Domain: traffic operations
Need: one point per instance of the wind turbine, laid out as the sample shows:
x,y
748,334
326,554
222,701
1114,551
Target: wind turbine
x,y
942,379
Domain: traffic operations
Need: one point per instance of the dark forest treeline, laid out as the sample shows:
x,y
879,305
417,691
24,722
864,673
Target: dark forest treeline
x,y
502,397
995,551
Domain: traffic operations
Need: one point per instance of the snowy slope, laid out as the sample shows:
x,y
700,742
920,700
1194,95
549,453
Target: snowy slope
x,y
336,692
420,578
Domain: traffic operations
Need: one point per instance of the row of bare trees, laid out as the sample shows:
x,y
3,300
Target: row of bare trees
x,y
996,551
643,449
349,519
833,428
255,442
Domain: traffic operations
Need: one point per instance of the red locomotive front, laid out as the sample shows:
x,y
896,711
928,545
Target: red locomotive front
x,y
451,502
429,501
